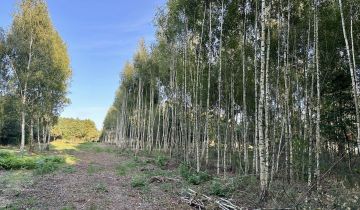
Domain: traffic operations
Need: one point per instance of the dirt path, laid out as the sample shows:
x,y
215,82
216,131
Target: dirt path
x,y
92,183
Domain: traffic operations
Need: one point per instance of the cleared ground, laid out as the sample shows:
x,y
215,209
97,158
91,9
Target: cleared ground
x,y
95,177
99,176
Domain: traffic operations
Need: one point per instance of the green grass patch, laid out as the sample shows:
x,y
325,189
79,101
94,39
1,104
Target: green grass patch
x,y
92,169
95,147
139,182
69,169
121,170
87,146
15,179
48,164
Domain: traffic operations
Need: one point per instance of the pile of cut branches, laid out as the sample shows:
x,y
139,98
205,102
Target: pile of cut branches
x,y
201,201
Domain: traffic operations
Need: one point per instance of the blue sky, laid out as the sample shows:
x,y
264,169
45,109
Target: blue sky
x,y
101,36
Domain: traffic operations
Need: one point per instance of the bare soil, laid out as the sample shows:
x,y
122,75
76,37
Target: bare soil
x,y
92,184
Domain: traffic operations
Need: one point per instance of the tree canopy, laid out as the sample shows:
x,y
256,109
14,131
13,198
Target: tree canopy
x,y
75,129
35,75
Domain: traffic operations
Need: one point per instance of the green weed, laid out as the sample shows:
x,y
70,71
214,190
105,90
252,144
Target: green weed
x,y
101,188
221,189
161,160
138,182
193,177
48,164
93,169
69,169
121,170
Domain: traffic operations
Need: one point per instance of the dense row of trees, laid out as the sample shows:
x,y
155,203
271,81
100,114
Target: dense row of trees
x,y
75,129
268,88
34,74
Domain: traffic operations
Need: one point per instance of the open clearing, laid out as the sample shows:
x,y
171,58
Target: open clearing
x,y
96,177
101,176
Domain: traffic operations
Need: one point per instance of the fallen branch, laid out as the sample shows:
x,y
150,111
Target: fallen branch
x,y
201,201
161,179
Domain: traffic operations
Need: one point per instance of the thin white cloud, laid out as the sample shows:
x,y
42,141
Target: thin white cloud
x,y
124,26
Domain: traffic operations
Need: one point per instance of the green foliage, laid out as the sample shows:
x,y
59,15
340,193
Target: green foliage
x,y
185,171
41,164
69,169
191,176
101,188
161,160
138,182
11,161
48,164
221,189
68,128
9,120
42,77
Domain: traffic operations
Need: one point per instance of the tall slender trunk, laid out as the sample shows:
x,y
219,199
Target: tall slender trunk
x,y
267,98
22,143
31,135
318,140
38,132
208,90
24,95
287,82
198,89
256,139
245,120
352,66
219,89
262,144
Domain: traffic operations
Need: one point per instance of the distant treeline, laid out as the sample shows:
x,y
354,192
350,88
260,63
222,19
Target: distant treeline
x,y
75,129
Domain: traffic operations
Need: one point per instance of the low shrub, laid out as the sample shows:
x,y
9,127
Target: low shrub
x,y
9,161
221,189
193,177
42,165
48,164
161,160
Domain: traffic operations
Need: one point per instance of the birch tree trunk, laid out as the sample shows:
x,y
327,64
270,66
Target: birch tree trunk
x,y
318,140
208,89
262,143
352,66
245,120
219,89
256,139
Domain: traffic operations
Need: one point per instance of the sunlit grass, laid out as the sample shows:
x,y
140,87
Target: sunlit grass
x,y
61,145
70,160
